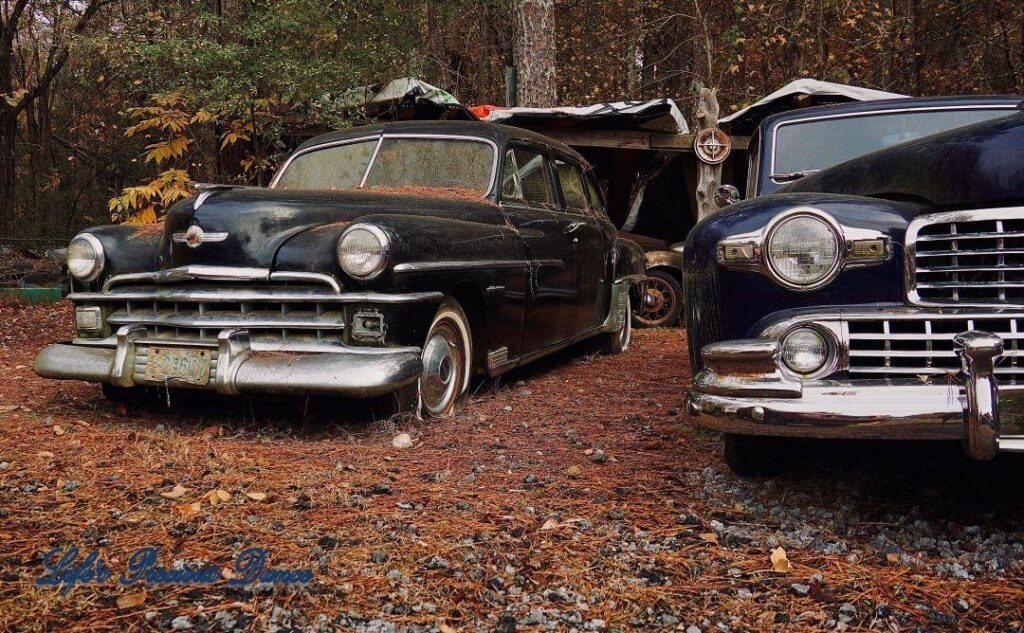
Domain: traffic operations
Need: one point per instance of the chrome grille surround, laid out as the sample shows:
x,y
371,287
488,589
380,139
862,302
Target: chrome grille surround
x,y
966,258
910,344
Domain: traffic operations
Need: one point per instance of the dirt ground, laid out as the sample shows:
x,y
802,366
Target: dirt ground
x,y
576,496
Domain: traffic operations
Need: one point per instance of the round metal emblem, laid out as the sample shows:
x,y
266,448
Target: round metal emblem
x,y
712,145
193,236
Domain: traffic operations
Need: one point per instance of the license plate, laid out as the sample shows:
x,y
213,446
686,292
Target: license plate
x,y
190,366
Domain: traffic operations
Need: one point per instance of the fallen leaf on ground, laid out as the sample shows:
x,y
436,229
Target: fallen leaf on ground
x,y
709,537
189,510
130,600
176,492
218,496
780,562
58,430
256,496
892,557
550,524
45,454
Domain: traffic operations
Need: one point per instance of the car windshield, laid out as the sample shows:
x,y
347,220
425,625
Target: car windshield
x,y
398,163
809,146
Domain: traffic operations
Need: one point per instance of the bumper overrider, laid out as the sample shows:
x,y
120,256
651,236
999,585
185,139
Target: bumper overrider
x,y
353,372
745,389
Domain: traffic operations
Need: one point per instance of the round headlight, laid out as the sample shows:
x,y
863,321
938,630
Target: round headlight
x,y
85,257
805,350
803,251
363,251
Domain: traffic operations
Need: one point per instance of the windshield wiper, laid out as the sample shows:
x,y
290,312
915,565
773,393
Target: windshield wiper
x,y
790,176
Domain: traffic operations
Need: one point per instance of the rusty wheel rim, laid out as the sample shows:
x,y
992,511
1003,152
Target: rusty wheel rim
x,y
658,304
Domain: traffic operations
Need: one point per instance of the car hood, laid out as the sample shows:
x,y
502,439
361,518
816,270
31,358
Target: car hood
x,y
255,222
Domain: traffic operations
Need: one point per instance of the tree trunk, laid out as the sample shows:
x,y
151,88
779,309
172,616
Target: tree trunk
x,y
535,50
710,175
8,175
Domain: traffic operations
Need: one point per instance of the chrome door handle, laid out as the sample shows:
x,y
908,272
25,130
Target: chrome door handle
x,y
573,227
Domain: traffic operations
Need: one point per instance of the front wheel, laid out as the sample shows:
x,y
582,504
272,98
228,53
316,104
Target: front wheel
x,y
447,357
662,304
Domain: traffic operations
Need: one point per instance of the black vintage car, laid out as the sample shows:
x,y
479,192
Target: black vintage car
x,y
871,300
380,259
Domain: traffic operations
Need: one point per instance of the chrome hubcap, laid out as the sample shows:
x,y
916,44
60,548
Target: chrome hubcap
x,y
441,365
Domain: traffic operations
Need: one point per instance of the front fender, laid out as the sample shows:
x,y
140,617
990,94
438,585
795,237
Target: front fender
x,y
723,304
126,249
426,252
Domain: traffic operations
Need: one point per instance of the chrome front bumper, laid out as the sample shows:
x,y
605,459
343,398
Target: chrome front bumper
x,y
744,390
239,369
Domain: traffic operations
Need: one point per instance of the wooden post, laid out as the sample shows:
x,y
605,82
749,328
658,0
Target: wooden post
x,y
710,175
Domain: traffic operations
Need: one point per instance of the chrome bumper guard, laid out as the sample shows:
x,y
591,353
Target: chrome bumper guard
x,y
239,369
743,390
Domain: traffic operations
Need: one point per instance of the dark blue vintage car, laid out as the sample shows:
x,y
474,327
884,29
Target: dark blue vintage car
x,y
792,144
880,298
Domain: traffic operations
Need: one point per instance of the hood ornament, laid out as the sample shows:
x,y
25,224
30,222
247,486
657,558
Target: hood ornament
x,y
194,237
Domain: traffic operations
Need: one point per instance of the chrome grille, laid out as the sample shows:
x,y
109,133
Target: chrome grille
x,y
271,314
923,345
967,258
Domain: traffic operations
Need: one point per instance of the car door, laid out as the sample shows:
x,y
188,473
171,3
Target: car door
x,y
530,198
590,244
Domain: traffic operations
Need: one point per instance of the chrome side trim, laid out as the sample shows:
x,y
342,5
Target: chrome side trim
x,y
321,278
913,237
191,272
243,294
420,267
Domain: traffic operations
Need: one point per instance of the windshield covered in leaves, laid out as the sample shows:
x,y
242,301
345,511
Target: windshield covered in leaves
x,y
814,145
399,163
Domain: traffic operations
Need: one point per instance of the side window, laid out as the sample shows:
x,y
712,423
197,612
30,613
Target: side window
x,y
594,195
571,178
525,177
511,188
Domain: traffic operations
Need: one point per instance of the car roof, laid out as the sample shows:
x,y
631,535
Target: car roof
x,y
860,107
499,134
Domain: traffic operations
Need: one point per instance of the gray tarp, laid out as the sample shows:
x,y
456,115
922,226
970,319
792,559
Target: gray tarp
x,y
831,91
657,115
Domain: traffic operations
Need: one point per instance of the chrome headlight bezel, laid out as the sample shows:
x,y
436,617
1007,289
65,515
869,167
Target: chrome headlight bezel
x,y
385,251
856,248
99,257
826,220
829,362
